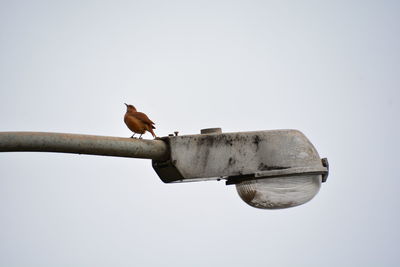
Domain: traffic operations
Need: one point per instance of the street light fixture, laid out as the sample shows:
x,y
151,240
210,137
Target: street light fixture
x,y
270,169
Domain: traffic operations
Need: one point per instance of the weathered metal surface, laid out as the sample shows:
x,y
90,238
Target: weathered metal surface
x,y
271,169
215,156
83,144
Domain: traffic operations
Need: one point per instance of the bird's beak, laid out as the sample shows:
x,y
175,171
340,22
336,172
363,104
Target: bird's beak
x,y
126,104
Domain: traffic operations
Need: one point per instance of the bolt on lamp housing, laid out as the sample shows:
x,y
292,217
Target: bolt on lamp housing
x,y
270,169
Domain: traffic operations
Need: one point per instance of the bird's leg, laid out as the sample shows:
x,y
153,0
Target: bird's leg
x,y
133,135
140,137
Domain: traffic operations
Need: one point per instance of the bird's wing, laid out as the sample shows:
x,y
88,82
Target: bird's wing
x,y
143,117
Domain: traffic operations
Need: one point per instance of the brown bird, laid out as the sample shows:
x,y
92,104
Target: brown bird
x,y
138,122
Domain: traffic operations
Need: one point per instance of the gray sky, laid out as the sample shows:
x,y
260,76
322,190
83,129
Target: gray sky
x,y
330,69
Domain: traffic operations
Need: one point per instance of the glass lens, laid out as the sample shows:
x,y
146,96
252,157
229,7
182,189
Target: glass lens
x,y
279,193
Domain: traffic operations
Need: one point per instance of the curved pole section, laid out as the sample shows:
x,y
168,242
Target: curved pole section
x,y
83,144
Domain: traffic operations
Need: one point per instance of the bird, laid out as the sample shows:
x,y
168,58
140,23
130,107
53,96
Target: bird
x,y
138,122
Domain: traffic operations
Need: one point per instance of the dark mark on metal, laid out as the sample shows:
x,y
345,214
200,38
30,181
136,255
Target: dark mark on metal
x,y
263,167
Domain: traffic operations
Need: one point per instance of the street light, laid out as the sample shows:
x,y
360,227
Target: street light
x,y
270,169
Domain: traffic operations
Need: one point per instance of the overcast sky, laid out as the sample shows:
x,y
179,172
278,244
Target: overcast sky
x,y
330,69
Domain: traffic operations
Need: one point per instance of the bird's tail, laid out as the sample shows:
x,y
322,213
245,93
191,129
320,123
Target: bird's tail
x,y
152,132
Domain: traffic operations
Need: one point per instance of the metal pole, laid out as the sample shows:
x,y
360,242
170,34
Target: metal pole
x,y
83,144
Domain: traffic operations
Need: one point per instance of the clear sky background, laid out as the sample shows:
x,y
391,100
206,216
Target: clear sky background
x,y
330,69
